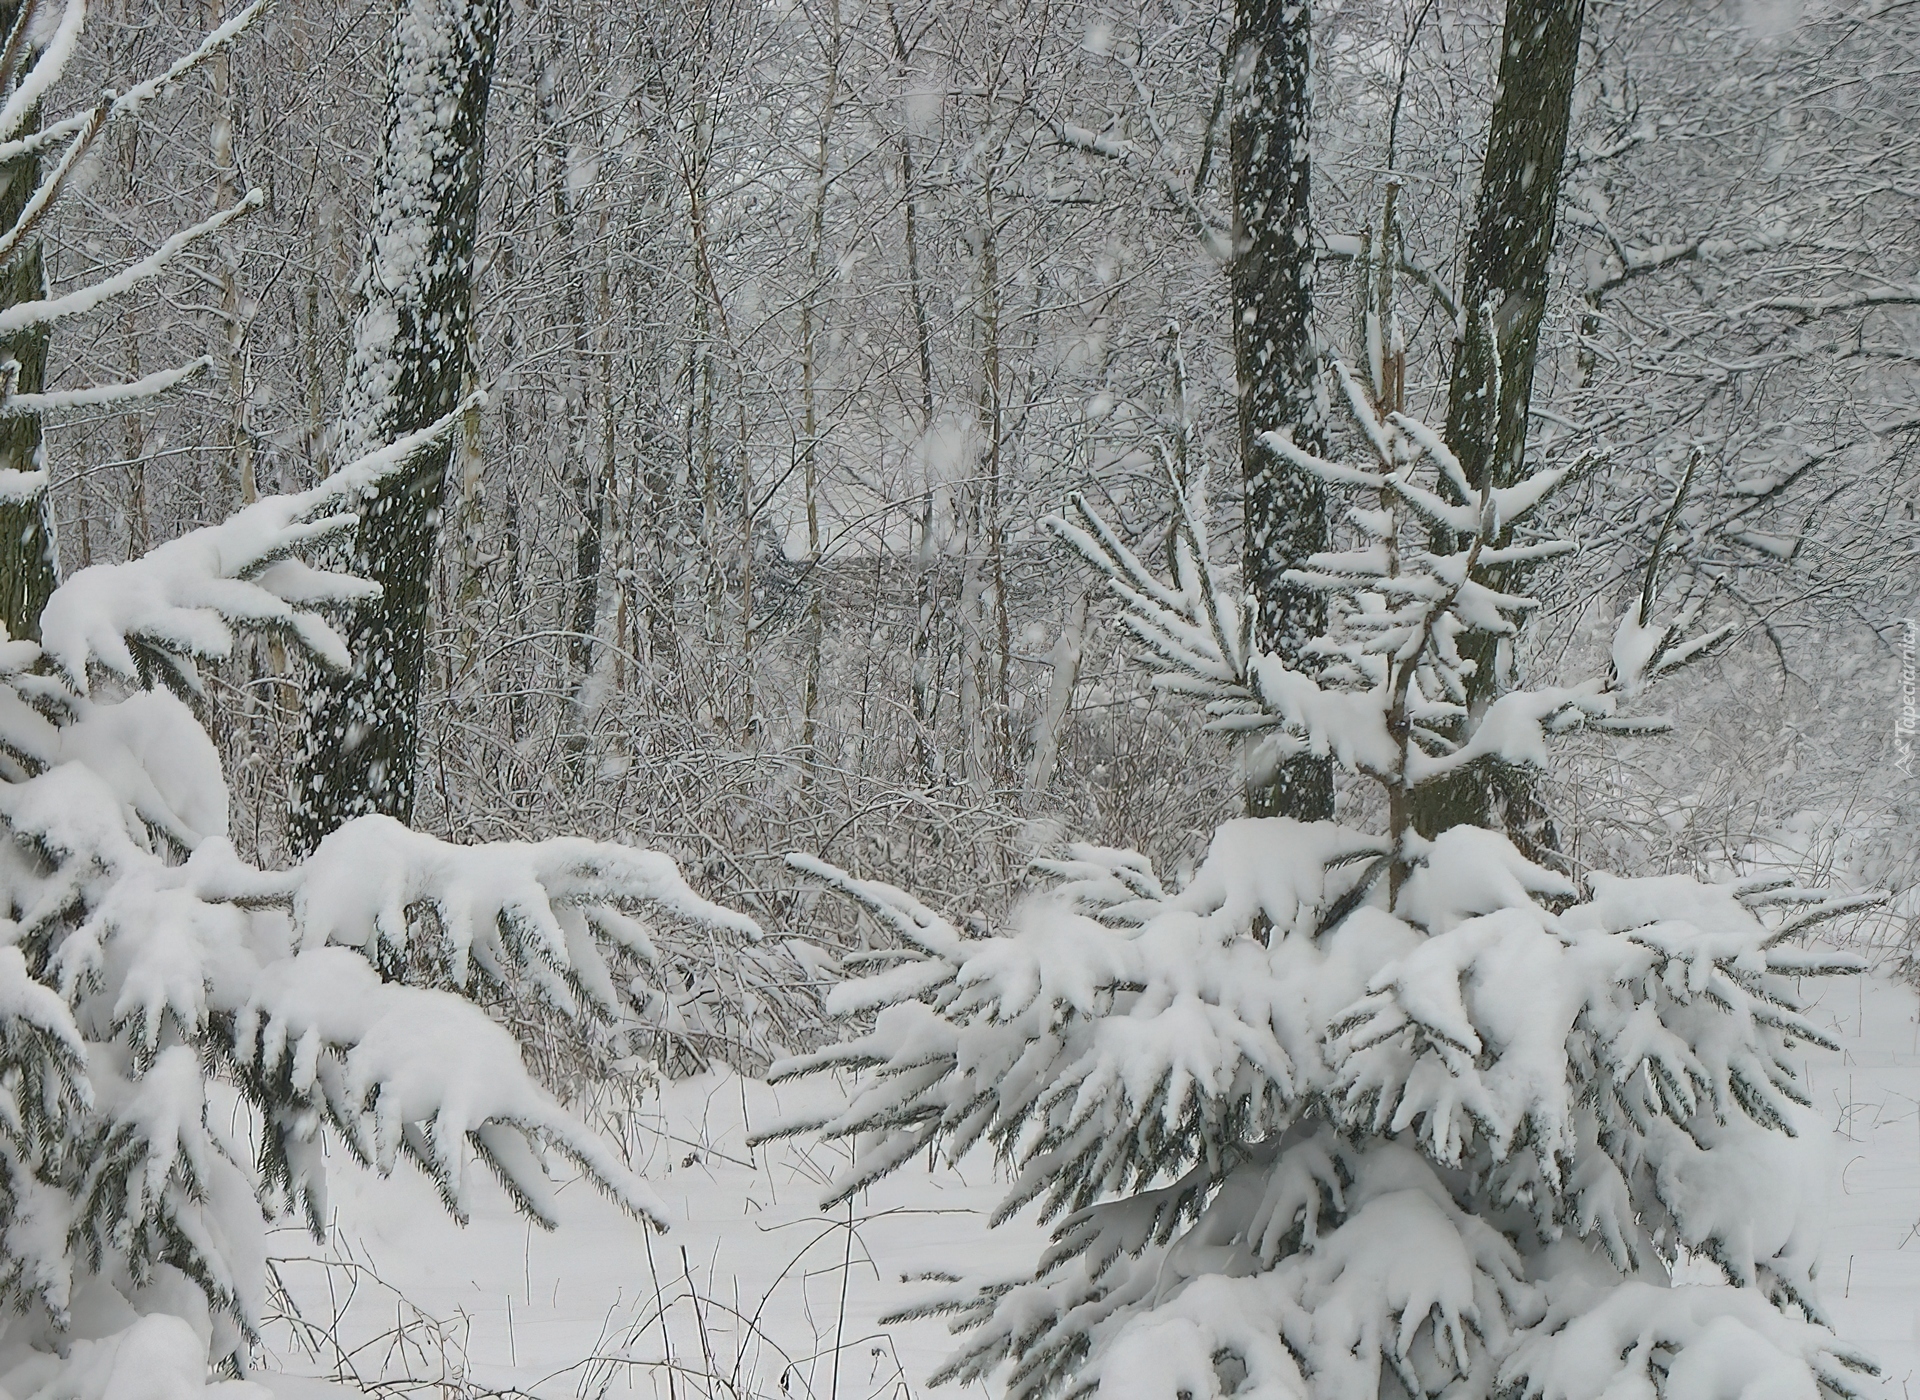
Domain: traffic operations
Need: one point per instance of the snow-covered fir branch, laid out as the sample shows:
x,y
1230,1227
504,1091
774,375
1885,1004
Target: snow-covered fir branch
x,y
149,975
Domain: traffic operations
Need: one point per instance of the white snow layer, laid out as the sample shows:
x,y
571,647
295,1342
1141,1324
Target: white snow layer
x,y
556,1314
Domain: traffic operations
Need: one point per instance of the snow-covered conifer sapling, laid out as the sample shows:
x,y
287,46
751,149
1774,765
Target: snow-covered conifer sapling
x,y
1355,1113
152,981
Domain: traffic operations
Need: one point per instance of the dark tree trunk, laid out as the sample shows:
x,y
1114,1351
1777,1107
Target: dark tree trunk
x,y
1515,218
593,488
1506,271
27,566
410,360
1275,358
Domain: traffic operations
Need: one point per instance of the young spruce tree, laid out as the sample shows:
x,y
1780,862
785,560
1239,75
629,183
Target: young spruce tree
x,y
1360,1114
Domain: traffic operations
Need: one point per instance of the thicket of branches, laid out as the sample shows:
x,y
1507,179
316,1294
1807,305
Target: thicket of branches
x,y
798,319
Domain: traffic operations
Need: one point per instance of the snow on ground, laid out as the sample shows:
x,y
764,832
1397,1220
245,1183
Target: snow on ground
x,y
1869,1094
749,1278
749,1281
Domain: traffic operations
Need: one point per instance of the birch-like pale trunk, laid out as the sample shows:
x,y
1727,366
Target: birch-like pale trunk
x,y
1051,722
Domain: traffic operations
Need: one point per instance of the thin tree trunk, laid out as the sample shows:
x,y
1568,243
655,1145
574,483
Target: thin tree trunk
x,y
619,517
591,472
359,751
139,517
477,559
990,681
1276,361
703,456
976,691
232,354
593,489
1487,404
469,463
925,695
316,434
809,375
232,340
714,302
750,723
29,568
973,718
512,549
925,692
662,601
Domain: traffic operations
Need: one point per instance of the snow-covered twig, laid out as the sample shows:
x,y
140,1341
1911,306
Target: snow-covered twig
x,y
48,66
51,184
130,102
25,314
13,405
1813,307
182,600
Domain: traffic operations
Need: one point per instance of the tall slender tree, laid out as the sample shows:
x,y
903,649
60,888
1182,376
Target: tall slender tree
x,y
810,315
1504,298
409,363
592,472
27,563
1515,218
1276,363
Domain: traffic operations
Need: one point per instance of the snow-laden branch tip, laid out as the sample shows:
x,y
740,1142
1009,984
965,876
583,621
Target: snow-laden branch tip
x,y
130,102
1814,307
48,66
18,488
183,599
100,396
54,181
46,312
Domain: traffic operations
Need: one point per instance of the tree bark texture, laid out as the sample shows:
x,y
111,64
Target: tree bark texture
x,y
409,363
28,571
1514,224
1276,362
1487,402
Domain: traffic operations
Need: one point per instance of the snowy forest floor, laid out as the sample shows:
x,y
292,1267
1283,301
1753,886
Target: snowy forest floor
x,y
758,1288
754,1292
1869,1093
